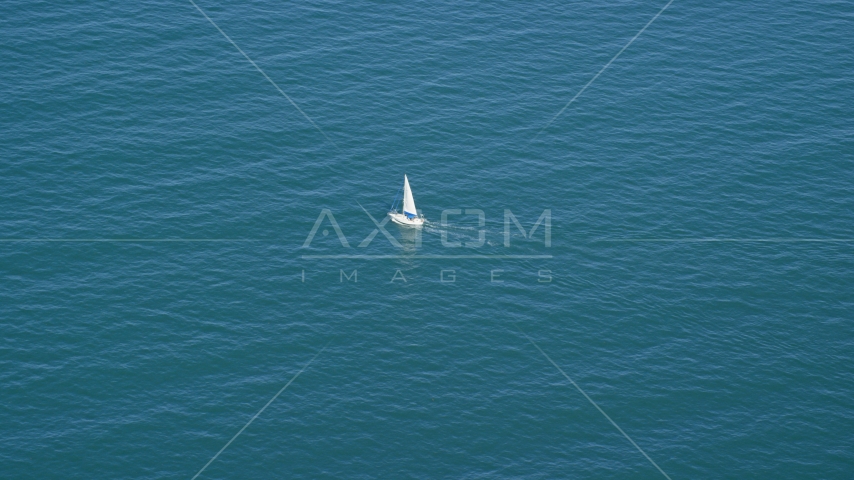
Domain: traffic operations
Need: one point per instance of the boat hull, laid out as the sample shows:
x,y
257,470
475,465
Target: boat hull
x,y
402,219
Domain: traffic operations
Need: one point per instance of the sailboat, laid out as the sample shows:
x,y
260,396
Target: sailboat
x,y
410,216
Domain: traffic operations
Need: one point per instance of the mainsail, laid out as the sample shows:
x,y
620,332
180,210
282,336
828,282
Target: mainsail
x,y
408,201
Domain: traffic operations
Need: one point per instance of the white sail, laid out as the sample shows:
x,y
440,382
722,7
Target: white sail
x,y
408,201
409,217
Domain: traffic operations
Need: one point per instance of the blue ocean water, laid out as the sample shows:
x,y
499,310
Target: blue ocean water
x,y
156,194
